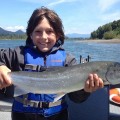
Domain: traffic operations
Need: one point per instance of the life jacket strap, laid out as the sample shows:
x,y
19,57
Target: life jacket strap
x,y
37,68
38,104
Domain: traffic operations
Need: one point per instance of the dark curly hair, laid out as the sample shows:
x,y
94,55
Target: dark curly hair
x,y
53,19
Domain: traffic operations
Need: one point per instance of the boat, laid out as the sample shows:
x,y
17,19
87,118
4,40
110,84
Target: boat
x,y
96,107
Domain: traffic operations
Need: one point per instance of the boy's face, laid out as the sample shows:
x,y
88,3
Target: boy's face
x,y
44,36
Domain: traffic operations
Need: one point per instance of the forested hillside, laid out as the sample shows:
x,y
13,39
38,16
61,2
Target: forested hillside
x,y
4,34
107,31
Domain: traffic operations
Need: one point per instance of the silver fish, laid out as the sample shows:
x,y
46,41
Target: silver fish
x,y
64,79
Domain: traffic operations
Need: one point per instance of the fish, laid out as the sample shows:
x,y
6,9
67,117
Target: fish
x,y
64,79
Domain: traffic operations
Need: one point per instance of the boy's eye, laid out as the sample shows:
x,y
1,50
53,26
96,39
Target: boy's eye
x,y
47,31
37,31
50,31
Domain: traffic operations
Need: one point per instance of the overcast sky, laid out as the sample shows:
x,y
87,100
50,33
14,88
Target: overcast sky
x,y
78,16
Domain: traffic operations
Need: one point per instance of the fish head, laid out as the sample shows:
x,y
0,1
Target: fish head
x,y
113,73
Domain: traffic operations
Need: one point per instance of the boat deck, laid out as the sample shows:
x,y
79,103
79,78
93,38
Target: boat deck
x,y
96,107
114,112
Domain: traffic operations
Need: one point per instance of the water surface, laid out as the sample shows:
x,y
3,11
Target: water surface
x,y
97,51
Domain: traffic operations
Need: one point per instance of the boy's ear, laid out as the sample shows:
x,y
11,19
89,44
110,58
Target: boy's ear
x,y
57,37
31,36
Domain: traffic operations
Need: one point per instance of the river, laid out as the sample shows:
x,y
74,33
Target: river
x,y
97,51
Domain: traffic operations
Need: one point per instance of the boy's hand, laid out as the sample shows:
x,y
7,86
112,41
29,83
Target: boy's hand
x,y
5,80
93,83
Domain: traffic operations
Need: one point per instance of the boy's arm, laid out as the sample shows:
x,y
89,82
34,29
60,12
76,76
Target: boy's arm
x,y
81,95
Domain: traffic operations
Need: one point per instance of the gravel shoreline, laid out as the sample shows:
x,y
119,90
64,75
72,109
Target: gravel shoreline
x,y
102,41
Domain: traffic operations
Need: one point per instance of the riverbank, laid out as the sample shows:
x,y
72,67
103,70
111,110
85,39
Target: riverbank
x,y
102,41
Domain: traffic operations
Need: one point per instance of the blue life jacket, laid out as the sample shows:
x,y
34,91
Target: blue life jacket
x,y
56,58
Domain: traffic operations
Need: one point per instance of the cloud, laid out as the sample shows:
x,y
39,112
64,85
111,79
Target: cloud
x,y
106,4
33,1
15,28
111,16
56,2
48,3
40,2
59,2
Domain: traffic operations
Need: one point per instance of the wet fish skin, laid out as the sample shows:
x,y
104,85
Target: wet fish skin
x,y
64,79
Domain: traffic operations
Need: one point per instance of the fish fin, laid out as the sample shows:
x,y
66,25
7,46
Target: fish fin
x,y
59,96
19,91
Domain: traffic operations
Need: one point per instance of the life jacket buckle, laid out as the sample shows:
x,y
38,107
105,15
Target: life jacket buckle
x,y
43,104
37,104
30,103
32,67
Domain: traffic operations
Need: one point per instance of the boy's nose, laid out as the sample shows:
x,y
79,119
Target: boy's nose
x,y
44,35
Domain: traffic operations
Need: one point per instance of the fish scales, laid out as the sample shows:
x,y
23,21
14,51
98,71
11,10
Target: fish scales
x,y
64,79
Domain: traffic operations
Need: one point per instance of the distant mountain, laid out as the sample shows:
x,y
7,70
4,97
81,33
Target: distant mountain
x,y
76,35
6,32
20,32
